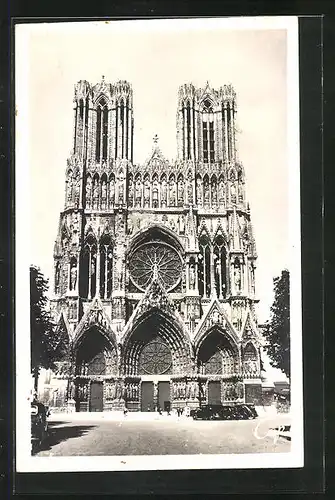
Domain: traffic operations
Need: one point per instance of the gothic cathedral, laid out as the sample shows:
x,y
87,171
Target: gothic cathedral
x,y
154,264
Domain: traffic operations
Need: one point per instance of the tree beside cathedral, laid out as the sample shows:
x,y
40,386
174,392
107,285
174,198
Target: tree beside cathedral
x,y
47,343
277,329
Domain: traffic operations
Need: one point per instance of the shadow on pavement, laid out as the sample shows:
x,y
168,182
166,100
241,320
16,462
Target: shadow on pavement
x,y
58,434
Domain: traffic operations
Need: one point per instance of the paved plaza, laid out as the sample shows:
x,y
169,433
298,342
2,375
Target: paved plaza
x,y
142,434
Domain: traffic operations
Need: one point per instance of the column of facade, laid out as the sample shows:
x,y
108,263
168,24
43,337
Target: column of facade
x,y
212,270
113,152
226,131
97,279
68,275
128,132
231,130
150,192
90,130
106,272
204,271
192,138
196,135
185,156
83,131
196,273
220,274
74,128
89,295
155,395
118,131
101,135
187,273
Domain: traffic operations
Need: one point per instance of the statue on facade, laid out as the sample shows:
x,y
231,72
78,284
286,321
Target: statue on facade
x,y
112,192
155,194
221,192
121,190
104,192
88,192
70,189
192,276
237,277
181,224
172,224
77,193
214,192
57,277
206,191
189,190
172,193
181,192
240,193
147,192
163,193
93,267
233,192
138,192
199,191
73,276
130,191
96,193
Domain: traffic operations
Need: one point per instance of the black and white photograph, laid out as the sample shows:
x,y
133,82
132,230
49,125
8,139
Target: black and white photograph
x,y
158,273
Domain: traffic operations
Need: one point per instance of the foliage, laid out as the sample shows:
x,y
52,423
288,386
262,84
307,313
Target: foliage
x,y
277,329
48,343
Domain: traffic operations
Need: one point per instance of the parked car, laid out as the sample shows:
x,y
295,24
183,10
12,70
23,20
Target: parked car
x,y
39,423
224,412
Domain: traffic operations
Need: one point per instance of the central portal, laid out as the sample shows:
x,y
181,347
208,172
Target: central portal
x,y
164,396
96,396
147,396
214,392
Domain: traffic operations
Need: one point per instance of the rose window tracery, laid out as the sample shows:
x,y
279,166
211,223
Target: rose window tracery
x,y
155,259
155,358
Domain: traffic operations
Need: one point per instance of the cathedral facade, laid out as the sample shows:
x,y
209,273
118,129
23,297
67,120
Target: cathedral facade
x,y
154,264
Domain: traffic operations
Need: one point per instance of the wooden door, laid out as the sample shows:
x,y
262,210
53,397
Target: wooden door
x,y
96,396
214,392
147,396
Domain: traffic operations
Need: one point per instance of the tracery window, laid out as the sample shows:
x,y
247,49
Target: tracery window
x,y
88,269
155,258
155,358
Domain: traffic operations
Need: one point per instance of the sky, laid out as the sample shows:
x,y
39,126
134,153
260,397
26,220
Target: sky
x,y
156,57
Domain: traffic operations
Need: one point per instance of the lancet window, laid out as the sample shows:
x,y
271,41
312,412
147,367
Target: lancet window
x,y
106,267
220,267
88,269
204,267
81,123
101,131
208,132
155,191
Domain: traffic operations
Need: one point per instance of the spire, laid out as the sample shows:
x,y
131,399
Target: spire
x,y
191,230
236,234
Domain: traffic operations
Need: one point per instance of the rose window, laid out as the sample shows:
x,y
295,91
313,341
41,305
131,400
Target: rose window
x,y
155,259
156,358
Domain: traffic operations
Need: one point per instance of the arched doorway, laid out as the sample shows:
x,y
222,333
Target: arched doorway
x,y
154,352
96,361
218,362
